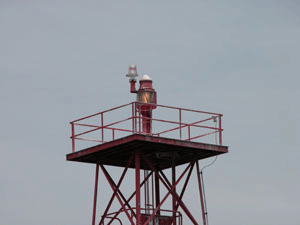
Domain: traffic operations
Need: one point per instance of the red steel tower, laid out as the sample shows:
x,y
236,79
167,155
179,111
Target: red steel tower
x,y
154,147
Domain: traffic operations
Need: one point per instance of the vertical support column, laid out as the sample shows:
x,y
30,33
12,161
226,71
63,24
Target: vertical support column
x,y
95,194
201,194
138,188
173,184
146,191
157,194
152,190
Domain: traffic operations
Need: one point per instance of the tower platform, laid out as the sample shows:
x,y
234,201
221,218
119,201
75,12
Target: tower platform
x,y
160,151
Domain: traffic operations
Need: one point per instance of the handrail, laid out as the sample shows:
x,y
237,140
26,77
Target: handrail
x,y
185,109
116,218
136,117
176,128
178,213
186,124
96,114
164,106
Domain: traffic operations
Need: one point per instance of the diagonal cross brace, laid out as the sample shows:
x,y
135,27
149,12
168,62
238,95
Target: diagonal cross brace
x,y
129,199
113,186
185,185
170,191
166,196
117,190
180,202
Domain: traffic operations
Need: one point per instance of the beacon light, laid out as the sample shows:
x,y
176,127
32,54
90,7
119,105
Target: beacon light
x,y
132,73
146,97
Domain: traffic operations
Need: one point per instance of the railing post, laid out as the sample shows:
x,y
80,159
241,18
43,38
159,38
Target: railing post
x,y
189,132
150,123
220,130
139,119
135,120
132,115
72,137
102,128
180,134
113,134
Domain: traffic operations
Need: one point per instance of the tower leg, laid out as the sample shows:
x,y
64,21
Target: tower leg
x,y
201,194
138,188
157,194
173,184
95,194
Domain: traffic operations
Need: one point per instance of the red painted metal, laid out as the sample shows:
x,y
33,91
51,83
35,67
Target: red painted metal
x,y
128,200
138,187
180,127
73,140
201,195
132,86
97,114
141,120
109,152
117,189
109,179
180,202
95,194
86,132
87,139
185,185
115,219
173,184
153,150
152,191
157,195
220,130
170,189
162,220
203,135
133,118
102,125
162,201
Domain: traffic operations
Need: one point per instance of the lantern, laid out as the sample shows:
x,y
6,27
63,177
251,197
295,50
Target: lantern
x,y
146,98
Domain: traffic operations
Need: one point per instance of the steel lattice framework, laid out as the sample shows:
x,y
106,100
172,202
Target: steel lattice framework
x,y
121,142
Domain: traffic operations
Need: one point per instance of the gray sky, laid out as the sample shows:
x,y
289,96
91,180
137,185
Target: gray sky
x,y
60,60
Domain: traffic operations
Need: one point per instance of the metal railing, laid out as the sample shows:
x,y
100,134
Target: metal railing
x,y
167,121
114,215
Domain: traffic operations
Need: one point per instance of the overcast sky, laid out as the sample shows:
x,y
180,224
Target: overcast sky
x,y
60,60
